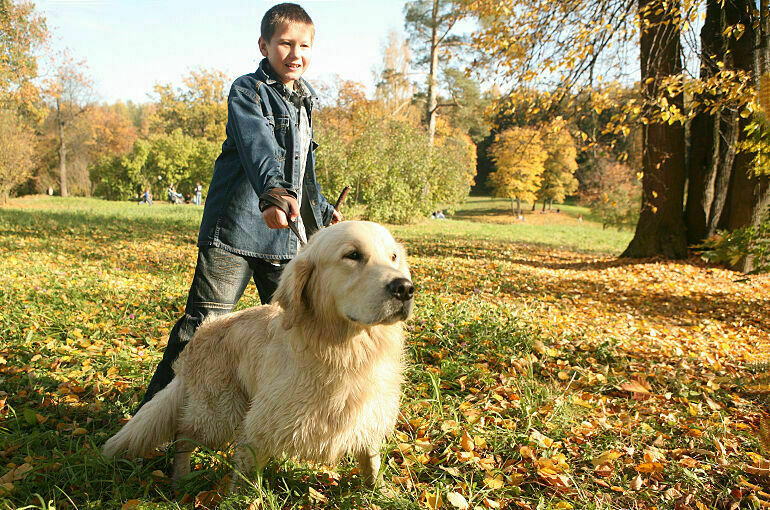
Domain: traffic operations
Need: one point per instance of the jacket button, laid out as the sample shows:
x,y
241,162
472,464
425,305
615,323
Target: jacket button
x,y
296,156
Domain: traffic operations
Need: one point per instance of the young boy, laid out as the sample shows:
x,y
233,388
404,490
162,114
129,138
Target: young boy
x,y
269,151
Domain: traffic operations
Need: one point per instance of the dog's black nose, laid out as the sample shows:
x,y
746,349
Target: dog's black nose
x,y
401,288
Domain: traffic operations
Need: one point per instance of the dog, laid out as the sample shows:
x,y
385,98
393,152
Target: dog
x,y
315,375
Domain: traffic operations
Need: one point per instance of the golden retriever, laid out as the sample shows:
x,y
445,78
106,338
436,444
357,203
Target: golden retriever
x,y
315,375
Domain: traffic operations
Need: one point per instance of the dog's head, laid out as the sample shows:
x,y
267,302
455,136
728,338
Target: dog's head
x,y
352,271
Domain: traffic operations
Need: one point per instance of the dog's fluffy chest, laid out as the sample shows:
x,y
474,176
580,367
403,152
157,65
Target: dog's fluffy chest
x,y
320,411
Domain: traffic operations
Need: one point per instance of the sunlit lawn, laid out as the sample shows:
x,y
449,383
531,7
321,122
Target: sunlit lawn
x,y
543,372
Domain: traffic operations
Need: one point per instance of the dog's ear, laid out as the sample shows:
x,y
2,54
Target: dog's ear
x,y
290,294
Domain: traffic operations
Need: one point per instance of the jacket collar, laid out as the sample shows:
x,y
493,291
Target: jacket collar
x,y
265,73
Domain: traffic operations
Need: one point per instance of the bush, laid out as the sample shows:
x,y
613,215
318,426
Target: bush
x,y
730,248
395,175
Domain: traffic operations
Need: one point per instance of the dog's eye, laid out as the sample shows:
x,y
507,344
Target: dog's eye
x,y
394,257
353,255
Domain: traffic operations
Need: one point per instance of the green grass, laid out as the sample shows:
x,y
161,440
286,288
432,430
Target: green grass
x,y
523,336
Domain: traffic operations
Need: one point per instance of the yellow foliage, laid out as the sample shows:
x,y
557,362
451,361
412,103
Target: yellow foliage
x,y
519,156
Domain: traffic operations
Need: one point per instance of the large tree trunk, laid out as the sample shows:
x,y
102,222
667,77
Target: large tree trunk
x,y
661,229
432,75
715,135
749,193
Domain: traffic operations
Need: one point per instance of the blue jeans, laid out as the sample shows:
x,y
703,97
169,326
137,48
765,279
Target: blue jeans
x,y
219,281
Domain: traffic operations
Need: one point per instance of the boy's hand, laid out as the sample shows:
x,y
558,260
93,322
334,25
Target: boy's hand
x,y
276,218
336,217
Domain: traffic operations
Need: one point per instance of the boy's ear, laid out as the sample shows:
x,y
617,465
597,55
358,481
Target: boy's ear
x,y
262,46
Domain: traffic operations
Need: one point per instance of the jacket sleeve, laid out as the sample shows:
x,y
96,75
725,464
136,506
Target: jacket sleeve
x,y
255,140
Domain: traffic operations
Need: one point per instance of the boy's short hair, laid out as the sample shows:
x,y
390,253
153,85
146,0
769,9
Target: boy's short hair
x,y
282,13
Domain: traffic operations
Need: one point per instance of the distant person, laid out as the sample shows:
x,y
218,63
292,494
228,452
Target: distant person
x,y
198,194
234,244
440,215
50,191
580,217
146,197
173,196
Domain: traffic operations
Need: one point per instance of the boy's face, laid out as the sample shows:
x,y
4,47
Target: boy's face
x,y
289,51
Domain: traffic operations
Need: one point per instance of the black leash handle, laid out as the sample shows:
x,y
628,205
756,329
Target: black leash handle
x,y
283,205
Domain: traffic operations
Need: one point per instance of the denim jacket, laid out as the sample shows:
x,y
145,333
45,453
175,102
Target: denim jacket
x,y
260,153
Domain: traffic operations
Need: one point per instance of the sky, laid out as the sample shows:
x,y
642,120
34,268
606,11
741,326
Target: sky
x,y
129,45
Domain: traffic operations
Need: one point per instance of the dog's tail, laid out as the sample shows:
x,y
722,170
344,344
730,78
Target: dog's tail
x,y
153,425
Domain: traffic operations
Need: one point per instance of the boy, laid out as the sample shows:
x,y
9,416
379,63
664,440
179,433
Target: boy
x,y
268,153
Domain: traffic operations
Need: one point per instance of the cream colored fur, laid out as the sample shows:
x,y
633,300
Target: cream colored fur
x,y
315,375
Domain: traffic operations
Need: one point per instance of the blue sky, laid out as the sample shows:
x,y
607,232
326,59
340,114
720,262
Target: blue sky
x,y
129,45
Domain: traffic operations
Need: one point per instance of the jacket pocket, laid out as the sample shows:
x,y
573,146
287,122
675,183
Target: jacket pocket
x,y
280,154
281,122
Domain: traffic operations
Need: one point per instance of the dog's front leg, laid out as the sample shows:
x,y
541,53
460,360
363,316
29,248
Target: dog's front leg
x,y
245,460
182,451
369,461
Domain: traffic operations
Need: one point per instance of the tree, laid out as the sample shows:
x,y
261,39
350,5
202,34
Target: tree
x,y
394,88
561,47
70,94
558,178
396,175
17,143
22,32
430,22
470,114
199,108
519,157
615,193
661,228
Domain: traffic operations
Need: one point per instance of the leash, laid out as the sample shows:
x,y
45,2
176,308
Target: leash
x,y
283,205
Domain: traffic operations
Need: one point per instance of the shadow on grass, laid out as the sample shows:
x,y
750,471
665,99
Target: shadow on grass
x,y
46,224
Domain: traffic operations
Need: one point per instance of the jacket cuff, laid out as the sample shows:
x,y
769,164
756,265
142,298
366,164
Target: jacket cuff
x,y
276,192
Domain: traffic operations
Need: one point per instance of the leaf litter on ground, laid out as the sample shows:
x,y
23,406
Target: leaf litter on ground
x,y
539,376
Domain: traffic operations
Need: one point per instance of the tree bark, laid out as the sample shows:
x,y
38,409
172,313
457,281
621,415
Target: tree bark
x,y
660,230
432,80
749,193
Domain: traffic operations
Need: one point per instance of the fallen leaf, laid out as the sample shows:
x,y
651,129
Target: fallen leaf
x,y
457,500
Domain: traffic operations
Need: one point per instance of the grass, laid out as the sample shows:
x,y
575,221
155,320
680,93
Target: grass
x,y
543,372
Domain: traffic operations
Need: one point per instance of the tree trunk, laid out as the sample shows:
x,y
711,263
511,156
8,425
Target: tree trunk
x,y
714,136
432,80
749,194
518,206
513,207
62,153
661,228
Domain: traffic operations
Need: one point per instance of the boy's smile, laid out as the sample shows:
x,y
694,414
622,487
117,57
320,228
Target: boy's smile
x,y
289,51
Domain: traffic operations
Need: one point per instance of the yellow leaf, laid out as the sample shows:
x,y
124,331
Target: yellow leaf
x,y
606,457
433,501
457,500
130,504
494,482
649,467
491,503
563,505
314,494
80,431
466,442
